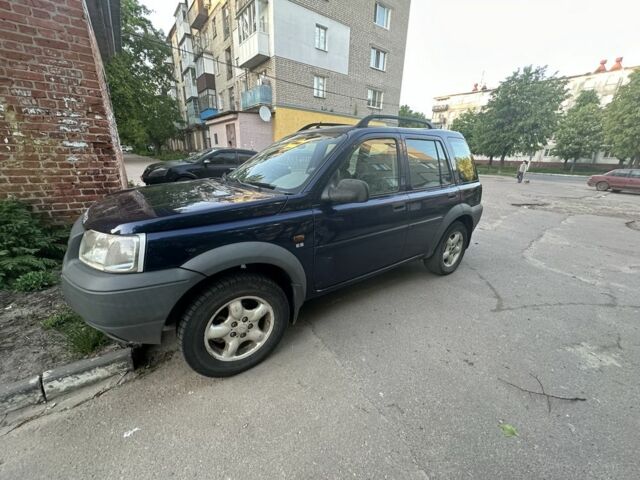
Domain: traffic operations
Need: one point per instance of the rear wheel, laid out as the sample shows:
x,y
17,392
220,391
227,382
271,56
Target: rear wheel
x,y
233,325
602,186
450,250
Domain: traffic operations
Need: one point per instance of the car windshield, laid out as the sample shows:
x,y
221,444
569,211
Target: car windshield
x,y
287,165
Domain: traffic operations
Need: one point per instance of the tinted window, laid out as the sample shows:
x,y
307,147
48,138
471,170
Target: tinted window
x,y
635,173
619,173
428,166
376,163
224,158
464,160
243,157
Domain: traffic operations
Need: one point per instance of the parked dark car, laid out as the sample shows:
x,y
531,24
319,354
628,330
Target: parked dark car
x,y
616,180
228,263
211,163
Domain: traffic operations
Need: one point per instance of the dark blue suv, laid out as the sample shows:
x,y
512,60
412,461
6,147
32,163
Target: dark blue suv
x,y
230,262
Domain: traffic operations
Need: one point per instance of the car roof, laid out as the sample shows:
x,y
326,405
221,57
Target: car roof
x,y
382,129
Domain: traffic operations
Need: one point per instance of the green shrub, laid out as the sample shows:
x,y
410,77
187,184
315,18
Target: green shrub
x,y
36,280
81,338
26,245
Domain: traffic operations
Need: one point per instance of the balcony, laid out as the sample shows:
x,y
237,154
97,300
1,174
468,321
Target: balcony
x,y
198,14
206,81
260,95
254,50
193,113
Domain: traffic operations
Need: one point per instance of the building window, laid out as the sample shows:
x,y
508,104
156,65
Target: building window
x,y
214,27
226,27
382,16
215,138
319,87
247,22
378,59
216,66
232,99
321,37
228,61
374,98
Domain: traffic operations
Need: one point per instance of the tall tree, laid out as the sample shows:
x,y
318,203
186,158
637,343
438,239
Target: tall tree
x,y
580,132
524,110
139,80
466,125
622,121
407,112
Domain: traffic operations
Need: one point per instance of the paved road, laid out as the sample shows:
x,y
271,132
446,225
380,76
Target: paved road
x,y
135,165
405,376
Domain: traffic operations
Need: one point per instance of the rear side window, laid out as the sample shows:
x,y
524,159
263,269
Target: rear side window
x,y
428,166
620,173
635,173
465,166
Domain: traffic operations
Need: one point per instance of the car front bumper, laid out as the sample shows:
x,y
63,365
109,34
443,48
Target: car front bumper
x,y
132,307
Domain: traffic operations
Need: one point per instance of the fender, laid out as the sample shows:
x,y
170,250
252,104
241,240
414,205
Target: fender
x,y
237,254
456,212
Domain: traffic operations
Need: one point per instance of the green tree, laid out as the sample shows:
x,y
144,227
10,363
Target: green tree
x,y
466,125
407,112
523,111
139,80
580,132
622,121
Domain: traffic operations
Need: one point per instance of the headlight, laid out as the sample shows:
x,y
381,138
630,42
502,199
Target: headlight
x,y
158,172
113,253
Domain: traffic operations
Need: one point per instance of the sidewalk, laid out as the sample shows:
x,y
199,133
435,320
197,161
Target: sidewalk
x,y
135,165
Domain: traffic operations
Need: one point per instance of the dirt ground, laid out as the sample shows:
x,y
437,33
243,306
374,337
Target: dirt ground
x,y
26,348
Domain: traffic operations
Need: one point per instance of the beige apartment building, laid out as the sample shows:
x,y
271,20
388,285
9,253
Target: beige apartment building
x,y
249,72
605,81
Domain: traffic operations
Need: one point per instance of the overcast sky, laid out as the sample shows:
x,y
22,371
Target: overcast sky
x,y
452,43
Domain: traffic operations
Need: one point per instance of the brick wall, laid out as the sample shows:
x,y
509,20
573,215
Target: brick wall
x,y
59,147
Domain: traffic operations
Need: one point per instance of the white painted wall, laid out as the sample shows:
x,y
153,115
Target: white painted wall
x,y
251,132
294,38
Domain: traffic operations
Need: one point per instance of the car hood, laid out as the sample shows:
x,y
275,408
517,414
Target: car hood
x,y
180,205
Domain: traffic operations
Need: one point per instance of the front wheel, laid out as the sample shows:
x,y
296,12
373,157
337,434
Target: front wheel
x,y
233,325
450,250
602,186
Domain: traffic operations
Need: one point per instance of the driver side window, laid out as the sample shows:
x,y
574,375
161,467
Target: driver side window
x,y
375,162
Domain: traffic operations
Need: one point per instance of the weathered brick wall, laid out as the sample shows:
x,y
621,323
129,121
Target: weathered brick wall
x,y
59,147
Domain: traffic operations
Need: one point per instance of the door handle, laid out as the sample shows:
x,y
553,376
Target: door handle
x,y
399,207
452,195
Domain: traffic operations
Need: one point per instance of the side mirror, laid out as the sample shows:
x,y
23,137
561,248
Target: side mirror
x,y
347,191
206,162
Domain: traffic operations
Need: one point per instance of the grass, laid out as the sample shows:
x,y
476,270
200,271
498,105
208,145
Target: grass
x,y
81,338
511,171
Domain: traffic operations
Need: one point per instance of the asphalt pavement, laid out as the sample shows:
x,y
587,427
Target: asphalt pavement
x,y
408,375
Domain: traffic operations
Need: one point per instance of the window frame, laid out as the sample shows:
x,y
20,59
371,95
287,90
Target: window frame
x,y
346,157
316,90
372,62
320,27
387,25
437,141
369,105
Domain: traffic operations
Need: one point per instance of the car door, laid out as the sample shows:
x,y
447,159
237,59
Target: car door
x,y
634,180
618,179
221,162
355,239
432,191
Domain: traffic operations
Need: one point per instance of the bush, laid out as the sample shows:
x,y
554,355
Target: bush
x,y
32,281
81,338
26,245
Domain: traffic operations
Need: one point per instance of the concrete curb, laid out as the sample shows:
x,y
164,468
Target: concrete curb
x,y
61,381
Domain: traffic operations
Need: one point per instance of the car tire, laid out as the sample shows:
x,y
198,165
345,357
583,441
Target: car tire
x,y
240,306
602,186
450,250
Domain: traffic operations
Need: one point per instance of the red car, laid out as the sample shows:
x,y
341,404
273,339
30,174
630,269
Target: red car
x,y
616,180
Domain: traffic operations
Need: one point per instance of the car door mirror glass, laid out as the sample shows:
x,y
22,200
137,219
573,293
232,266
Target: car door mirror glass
x,y
347,191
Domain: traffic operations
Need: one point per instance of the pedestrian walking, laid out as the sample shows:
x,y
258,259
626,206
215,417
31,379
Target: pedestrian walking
x,y
521,170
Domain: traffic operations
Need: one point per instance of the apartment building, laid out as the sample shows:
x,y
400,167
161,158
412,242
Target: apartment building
x,y
305,61
604,81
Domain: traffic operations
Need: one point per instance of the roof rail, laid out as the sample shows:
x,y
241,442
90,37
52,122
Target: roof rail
x,y
366,120
321,125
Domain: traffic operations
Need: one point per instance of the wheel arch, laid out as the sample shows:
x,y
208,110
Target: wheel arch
x,y
460,213
266,259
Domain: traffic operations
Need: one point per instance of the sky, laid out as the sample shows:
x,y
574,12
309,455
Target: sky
x,y
452,44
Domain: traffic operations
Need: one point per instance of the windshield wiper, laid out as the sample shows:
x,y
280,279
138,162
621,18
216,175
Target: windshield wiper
x,y
261,185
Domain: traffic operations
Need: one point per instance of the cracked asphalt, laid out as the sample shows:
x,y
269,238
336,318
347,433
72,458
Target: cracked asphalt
x,y
407,376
